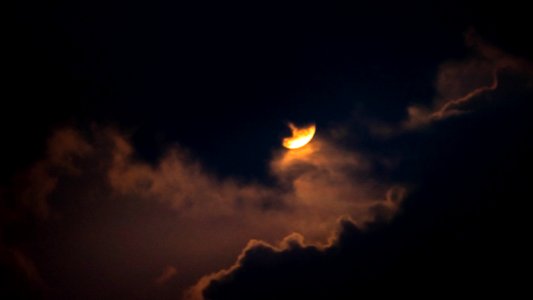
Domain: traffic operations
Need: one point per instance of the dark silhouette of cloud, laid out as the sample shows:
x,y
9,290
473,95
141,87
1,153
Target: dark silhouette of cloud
x,y
139,204
460,231
83,176
461,86
423,204
461,82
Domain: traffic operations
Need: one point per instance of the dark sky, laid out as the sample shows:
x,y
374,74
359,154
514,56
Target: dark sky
x,y
141,149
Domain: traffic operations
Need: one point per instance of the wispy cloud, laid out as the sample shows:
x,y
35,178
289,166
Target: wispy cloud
x,y
312,188
459,84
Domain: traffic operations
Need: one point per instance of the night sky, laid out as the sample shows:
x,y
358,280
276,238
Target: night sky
x,y
142,151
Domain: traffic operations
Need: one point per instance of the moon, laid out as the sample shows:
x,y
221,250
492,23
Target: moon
x,y
300,136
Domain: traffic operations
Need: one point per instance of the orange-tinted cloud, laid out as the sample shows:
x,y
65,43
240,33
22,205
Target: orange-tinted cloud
x,y
316,184
313,187
290,242
33,187
168,273
460,82
461,86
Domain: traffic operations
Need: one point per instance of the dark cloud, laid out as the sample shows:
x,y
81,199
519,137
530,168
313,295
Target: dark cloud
x,y
461,231
460,83
165,227
26,202
33,186
113,200
461,86
20,277
430,205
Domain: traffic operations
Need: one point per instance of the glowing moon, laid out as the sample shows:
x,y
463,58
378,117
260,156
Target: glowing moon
x,y
300,136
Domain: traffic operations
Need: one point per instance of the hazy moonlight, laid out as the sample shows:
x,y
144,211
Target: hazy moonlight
x,y
300,136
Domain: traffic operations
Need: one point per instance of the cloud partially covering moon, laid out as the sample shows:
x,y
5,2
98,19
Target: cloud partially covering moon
x,y
312,187
300,136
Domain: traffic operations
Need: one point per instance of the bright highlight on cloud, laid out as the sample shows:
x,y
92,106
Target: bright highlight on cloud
x,y
313,186
459,83
461,86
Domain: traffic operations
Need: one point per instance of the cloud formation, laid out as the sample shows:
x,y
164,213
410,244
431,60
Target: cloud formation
x,y
168,273
461,229
32,188
128,211
312,188
461,85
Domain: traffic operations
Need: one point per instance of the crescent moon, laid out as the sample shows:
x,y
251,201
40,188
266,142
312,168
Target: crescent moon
x,y
300,136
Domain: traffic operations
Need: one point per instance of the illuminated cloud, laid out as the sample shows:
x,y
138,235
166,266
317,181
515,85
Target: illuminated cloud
x,y
460,222
460,82
300,136
322,171
271,260
316,184
460,86
313,187
289,243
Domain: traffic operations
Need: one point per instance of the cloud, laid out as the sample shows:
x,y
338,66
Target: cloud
x,y
28,199
461,82
462,228
131,216
21,277
356,262
168,273
314,186
33,186
460,86
100,174
291,243
27,266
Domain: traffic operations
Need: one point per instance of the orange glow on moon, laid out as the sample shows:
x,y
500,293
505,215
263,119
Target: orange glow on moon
x,y
300,136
